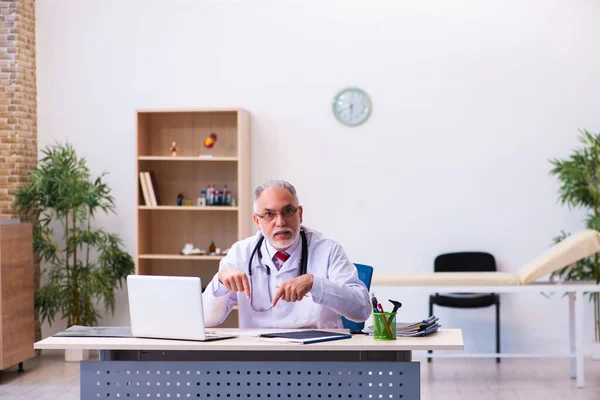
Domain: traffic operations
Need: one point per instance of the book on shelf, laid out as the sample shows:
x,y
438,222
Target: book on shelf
x,y
144,185
155,187
141,194
149,189
153,201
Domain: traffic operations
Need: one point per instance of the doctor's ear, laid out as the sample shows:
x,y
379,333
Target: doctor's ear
x,y
256,221
300,209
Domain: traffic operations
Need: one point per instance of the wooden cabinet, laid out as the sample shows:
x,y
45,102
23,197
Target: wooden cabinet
x,y
164,229
16,294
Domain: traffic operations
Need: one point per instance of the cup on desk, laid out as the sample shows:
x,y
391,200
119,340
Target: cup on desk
x,y
384,326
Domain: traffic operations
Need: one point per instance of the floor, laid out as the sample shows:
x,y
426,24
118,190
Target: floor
x,y
50,378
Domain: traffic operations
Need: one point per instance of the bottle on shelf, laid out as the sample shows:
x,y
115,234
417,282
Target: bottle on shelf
x,y
225,202
174,150
210,195
202,199
212,248
215,197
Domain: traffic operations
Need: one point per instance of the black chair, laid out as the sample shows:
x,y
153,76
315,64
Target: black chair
x,y
467,262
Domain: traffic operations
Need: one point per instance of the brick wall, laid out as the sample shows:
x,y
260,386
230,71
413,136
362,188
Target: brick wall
x,y
18,109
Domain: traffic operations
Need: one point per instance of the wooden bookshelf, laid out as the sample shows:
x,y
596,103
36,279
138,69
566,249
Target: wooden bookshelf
x,y
164,229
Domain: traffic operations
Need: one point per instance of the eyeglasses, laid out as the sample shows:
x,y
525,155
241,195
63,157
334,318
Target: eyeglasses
x,y
285,213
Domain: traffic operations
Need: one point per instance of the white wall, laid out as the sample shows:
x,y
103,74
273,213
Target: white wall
x,y
471,99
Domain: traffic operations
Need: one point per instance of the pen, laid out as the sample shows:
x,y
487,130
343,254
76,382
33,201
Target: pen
x,y
374,303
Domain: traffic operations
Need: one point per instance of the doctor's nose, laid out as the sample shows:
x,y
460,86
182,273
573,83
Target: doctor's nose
x,y
279,220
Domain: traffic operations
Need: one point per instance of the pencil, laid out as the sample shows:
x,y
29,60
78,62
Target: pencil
x,y
387,326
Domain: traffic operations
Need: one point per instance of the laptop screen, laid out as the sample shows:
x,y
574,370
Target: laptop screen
x,y
166,307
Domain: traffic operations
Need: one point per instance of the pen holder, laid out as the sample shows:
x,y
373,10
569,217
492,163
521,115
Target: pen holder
x,y
384,326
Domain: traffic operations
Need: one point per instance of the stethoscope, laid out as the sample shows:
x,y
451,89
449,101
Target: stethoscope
x,y
256,251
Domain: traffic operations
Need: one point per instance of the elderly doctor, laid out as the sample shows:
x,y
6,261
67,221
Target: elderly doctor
x,y
277,286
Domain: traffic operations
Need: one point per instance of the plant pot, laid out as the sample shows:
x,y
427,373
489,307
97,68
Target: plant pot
x,y
596,351
76,355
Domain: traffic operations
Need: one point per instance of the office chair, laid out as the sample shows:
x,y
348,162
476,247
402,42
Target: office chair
x,y
365,273
467,262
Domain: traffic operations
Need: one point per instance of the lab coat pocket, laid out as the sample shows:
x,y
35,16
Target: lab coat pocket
x,y
307,314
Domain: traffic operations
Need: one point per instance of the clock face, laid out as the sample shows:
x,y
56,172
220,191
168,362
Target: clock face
x,y
351,106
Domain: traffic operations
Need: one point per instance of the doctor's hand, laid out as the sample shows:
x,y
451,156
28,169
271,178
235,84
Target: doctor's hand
x,y
294,289
235,280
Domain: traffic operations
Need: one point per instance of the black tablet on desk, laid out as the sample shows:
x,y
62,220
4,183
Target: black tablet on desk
x,y
306,336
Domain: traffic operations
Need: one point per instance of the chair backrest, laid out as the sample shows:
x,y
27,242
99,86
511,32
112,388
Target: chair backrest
x,y
365,273
465,262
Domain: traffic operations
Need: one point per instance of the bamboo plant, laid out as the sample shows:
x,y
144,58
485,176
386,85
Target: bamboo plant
x,y
83,265
579,177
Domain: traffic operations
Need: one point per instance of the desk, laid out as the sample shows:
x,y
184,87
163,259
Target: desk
x,y
252,368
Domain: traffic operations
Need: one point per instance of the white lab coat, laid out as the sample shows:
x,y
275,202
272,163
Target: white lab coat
x,y
336,291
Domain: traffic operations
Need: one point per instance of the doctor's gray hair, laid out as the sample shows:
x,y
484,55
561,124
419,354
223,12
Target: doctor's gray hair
x,y
273,184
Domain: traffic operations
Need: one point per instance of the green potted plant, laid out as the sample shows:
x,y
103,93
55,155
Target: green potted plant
x,y
579,177
83,264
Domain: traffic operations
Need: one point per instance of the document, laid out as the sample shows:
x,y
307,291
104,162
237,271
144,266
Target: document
x,y
96,331
306,336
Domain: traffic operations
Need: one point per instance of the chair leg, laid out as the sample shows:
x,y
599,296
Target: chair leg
x,y
498,328
430,314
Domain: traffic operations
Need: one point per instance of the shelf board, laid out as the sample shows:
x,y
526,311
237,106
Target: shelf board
x,y
177,257
171,158
189,110
189,208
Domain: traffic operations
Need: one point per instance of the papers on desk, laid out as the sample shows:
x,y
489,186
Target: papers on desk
x,y
408,329
96,331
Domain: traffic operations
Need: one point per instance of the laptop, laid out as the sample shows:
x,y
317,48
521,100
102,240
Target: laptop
x,y
167,307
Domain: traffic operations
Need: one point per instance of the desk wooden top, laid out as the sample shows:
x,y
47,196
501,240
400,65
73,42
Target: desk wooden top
x,y
443,339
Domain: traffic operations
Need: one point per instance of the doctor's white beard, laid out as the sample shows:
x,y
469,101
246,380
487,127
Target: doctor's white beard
x,y
280,246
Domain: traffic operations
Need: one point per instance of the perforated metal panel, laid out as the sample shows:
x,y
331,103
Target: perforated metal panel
x,y
250,380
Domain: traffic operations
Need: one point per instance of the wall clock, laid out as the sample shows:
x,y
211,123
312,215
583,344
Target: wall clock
x,y
351,106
